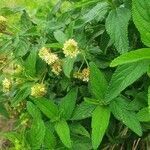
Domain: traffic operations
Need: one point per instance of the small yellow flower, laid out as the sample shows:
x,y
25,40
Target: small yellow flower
x,y
47,56
71,48
77,75
38,90
6,85
85,74
57,67
3,21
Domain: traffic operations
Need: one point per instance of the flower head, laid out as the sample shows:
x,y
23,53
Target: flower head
x,y
6,85
3,21
57,67
85,74
47,56
77,75
38,90
71,48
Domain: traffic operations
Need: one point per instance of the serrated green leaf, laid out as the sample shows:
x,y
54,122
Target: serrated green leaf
x,y
36,134
49,139
82,111
124,76
67,104
98,83
99,11
47,107
141,18
127,117
20,96
30,63
144,115
68,65
116,26
149,98
25,21
100,121
133,56
33,110
63,132
78,129
21,47
60,36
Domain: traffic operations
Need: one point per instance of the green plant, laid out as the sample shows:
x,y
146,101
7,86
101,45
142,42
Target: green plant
x,y
56,80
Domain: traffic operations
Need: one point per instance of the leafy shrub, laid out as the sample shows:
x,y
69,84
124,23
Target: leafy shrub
x,y
58,83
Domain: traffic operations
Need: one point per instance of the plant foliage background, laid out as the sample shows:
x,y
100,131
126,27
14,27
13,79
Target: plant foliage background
x,y
75,74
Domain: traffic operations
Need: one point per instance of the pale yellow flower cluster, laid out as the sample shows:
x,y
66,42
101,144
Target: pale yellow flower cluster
x,y
3,21
47,56
70,48
84,75
38,90
57,67
6,83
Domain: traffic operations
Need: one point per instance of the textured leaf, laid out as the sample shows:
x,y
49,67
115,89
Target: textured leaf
x,y
49,139
21,95
149,98
78,129
47,107
60,36
127,117
144,115
36,134
63,132
67,104
99,11
124,76
68,65
116,26
26,22
100,121
21,47
133,56
33,110
141,18
82,111
30,64
98,83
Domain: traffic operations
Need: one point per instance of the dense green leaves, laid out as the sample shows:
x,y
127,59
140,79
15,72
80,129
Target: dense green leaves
x,y
71,109
63,132
141,18
116,26
124,76
100,121
133,56
98,83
